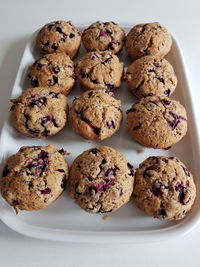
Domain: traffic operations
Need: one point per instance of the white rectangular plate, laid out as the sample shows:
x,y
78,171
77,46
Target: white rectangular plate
x,y
64,220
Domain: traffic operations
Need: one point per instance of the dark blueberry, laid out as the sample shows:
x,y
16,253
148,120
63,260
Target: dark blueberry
x,y
53,81
167,92
147,174
110,171
167,148
50,26
154,159
39,66
109,87
62,151
151,70
34,82
94,81
54,95
182,192
39,163
37,101
46,119
64,182
130,110
95,129
110,124
186,171
176,120
162,213
103,161
46,191
54,46
90,94
56,69
109,31
131,168
94,151
165,160
33,131
160,79
6,171
102,186
156,191
71,35
137,126
108,60
83,74
165,102
45,133
60,170
58,29
30,184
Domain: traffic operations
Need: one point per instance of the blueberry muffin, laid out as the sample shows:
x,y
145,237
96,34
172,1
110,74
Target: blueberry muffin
x,y
34,177
39,112
148,39
157,122
54,70
100,71
101,180
104,36
151,75
96,115
59,36
164,188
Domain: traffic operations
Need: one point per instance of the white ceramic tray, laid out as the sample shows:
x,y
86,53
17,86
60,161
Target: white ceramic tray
x,y
65,221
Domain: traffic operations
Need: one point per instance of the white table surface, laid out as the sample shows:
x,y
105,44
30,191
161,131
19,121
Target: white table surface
x,y
18,19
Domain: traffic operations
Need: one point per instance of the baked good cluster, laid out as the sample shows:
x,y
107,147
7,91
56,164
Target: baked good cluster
x,y
100,179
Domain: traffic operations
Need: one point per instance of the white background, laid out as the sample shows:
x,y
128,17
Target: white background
x,y
18,19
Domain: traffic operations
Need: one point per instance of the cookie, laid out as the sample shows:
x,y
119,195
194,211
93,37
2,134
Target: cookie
x,y
39,112
59,36
100,71
148,39
96,115
101,180
157,122
34,177
104,36
53,71
151,75
164,188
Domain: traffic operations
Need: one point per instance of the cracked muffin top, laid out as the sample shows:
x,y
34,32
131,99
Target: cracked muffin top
x,y
101,180
148,39
59,36
164,188
96,115
39,112
103,36
151,75
100,70
157,122
34,177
